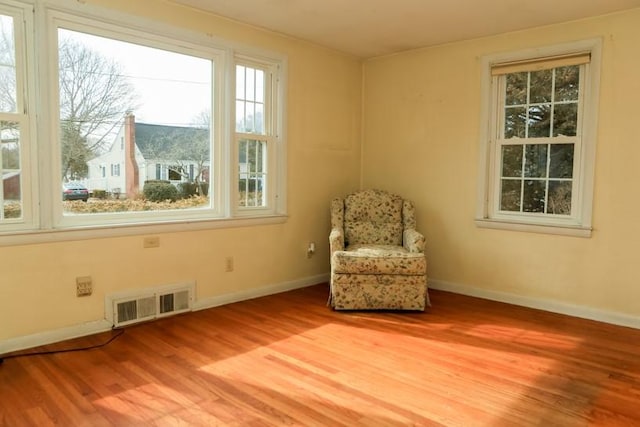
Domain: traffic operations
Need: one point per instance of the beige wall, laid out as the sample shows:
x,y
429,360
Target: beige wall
x,y
37,282
421,138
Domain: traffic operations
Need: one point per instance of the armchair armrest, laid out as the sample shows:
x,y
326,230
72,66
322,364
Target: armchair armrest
x,y
336,240
413,240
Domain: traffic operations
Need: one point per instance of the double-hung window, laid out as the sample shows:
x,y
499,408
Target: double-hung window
x,y
162,126
537,173
254,136
16,119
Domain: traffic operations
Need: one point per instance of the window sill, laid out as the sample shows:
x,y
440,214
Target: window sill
x,y
562,230
120,230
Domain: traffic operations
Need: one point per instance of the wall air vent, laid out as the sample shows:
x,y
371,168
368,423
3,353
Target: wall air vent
x,y
130,307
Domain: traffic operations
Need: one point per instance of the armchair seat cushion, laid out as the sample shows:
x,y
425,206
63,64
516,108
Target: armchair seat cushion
x,y
378,260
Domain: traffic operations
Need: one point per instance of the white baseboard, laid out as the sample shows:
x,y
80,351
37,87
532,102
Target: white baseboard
x,y
229,298
540,304
56,335
76,331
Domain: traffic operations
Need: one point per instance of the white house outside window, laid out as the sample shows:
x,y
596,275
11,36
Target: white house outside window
x,y
539,142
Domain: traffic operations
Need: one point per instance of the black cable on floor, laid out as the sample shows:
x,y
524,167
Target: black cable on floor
x,y
66,350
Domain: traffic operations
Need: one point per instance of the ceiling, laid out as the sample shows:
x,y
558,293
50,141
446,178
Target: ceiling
x,y
368,28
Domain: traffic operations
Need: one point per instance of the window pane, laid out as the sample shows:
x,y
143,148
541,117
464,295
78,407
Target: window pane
x,y
540,87
252,172
8,88
512,160
250,84
250,107
241,126
145,108
259,119
240,82
516,89
533,196
259,156
565,119
539,121
260,86
250,117
535,165
510,195
567,83
12,207
175,173
10,157
559,198
561,161
10,142
515,119
11,186
10,170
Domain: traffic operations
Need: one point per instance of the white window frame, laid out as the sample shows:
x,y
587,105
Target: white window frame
x,y
579,223
272,137
44,219
64,19
23,20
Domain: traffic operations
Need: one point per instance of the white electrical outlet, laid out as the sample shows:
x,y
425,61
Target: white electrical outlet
x,y
311,249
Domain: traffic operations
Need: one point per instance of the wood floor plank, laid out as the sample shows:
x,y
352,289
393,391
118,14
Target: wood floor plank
x,y
288,359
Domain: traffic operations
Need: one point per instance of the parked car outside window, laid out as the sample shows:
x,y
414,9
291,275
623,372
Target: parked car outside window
x,y
74,191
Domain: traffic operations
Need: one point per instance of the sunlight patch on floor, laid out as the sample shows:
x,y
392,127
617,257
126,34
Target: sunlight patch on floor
x,y
544,339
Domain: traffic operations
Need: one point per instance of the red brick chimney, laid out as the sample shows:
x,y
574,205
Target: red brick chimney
x,y
131,171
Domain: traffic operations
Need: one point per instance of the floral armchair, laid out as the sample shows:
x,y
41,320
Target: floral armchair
x,y
377,256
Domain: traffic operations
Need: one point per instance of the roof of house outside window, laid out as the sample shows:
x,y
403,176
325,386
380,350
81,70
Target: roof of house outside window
x,y
153,140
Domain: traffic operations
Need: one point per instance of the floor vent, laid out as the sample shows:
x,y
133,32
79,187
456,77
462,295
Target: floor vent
x,y
126,308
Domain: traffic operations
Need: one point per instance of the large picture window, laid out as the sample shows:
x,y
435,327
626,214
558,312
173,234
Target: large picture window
x,y
154,126
140,106
539,143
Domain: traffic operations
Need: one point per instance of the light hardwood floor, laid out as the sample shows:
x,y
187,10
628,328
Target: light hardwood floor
x,y
287,359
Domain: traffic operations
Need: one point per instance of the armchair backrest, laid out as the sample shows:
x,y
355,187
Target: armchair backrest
x,y
373,217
